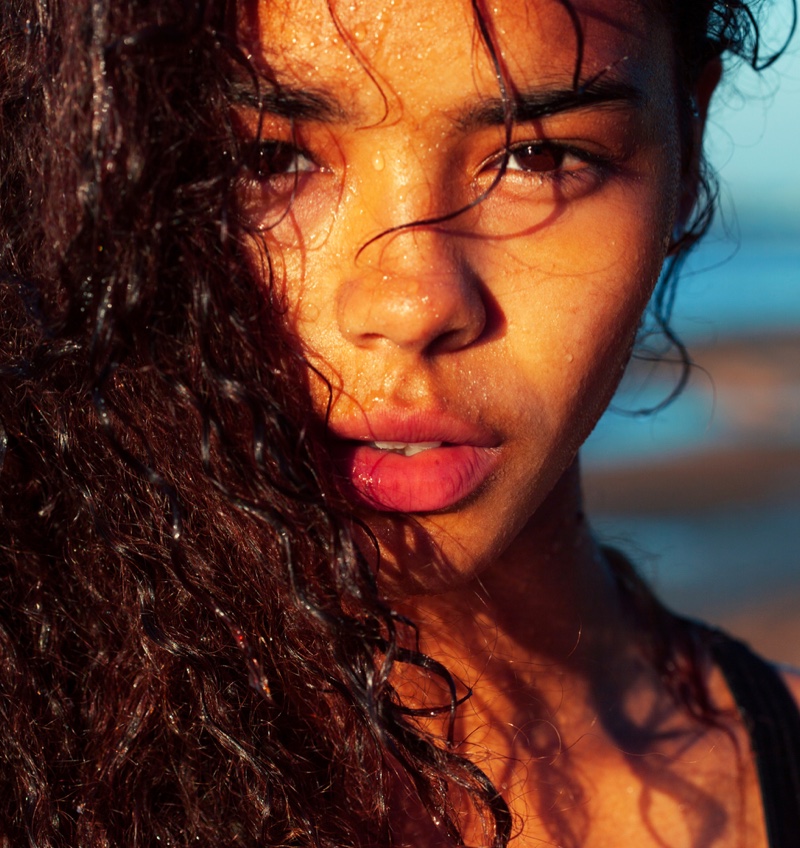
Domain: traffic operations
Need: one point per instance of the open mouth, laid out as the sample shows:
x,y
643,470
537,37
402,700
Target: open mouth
x,y
394,476
412,460
405,448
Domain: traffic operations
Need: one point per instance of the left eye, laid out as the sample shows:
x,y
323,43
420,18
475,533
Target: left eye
x,y
536,157
545,159
269,159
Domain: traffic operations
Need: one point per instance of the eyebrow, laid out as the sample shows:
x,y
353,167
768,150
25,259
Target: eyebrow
x,y
285,101
524,106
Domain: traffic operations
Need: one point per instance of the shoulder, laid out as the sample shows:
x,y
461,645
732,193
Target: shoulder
x,y
753,681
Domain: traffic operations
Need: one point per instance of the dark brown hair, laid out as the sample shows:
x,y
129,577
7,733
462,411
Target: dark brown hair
x,y
192,651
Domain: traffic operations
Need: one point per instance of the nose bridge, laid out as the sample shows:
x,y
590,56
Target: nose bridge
x,y
407,283
398,185
413,258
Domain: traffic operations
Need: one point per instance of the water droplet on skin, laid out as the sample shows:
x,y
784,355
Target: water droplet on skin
x,y
378,162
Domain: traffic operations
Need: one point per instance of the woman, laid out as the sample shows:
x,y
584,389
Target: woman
x,y
307,308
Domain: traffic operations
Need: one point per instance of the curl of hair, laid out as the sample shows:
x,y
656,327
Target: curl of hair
x,y
192,650
703,32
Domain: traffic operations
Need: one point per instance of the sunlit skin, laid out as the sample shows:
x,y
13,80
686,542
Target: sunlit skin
x,y
543,282
516,318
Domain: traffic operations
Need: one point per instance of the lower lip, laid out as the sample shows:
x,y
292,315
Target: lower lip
x,y
429,481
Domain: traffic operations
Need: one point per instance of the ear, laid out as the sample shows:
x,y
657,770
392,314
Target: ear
x,y
693,126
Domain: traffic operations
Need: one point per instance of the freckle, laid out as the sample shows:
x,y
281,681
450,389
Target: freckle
x,y
569,357
378,162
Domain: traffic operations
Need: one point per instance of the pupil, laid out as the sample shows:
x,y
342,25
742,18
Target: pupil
x,y
537,157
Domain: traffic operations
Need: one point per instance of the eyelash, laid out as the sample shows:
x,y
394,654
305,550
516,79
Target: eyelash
x,y
282,165
586,164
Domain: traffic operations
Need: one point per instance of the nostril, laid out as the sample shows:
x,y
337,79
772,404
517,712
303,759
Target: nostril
x,y
454,340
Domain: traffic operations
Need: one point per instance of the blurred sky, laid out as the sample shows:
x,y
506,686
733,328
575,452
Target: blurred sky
x,y
754,142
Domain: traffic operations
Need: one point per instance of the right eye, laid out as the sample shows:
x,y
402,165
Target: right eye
x,y
277,162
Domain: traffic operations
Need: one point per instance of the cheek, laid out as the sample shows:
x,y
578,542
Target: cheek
x,y
296,287
574,297
585,280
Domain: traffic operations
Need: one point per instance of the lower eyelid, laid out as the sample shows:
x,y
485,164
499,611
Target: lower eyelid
x,y
280,185
571,183
579,176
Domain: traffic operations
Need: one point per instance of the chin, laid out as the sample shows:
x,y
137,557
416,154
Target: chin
x,y
419,555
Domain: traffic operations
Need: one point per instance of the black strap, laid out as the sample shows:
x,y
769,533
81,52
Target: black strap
x,y
772,718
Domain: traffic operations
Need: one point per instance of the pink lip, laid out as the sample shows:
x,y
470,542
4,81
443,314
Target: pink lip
x,y
429,481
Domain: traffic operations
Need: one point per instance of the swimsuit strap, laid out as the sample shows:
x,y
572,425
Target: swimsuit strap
x,y
772,719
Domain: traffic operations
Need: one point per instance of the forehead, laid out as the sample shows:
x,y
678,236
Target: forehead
x,y
379,55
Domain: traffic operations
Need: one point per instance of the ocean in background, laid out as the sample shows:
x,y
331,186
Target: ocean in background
x,y
727,293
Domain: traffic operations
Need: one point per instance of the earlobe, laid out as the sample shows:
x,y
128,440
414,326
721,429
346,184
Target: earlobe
x,y
693,127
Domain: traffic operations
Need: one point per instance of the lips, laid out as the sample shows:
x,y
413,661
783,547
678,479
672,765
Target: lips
x,y
413,461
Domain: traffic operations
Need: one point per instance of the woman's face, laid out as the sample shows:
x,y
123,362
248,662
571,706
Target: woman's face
x,y
471,352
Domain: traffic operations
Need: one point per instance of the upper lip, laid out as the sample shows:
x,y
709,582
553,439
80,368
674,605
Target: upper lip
x,y
412,425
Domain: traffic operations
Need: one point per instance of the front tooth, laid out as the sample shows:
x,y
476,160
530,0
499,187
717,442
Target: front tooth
x,y
406,448
418,447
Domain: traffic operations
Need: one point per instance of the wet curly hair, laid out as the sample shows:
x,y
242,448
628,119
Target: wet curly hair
x,y
192,649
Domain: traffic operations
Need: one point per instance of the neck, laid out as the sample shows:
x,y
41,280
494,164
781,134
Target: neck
x,y
565,706
543,630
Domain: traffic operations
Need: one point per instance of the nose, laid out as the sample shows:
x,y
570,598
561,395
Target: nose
x,y
415,292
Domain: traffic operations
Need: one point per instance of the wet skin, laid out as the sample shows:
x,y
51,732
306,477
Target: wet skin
x,y
505,327
516,317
